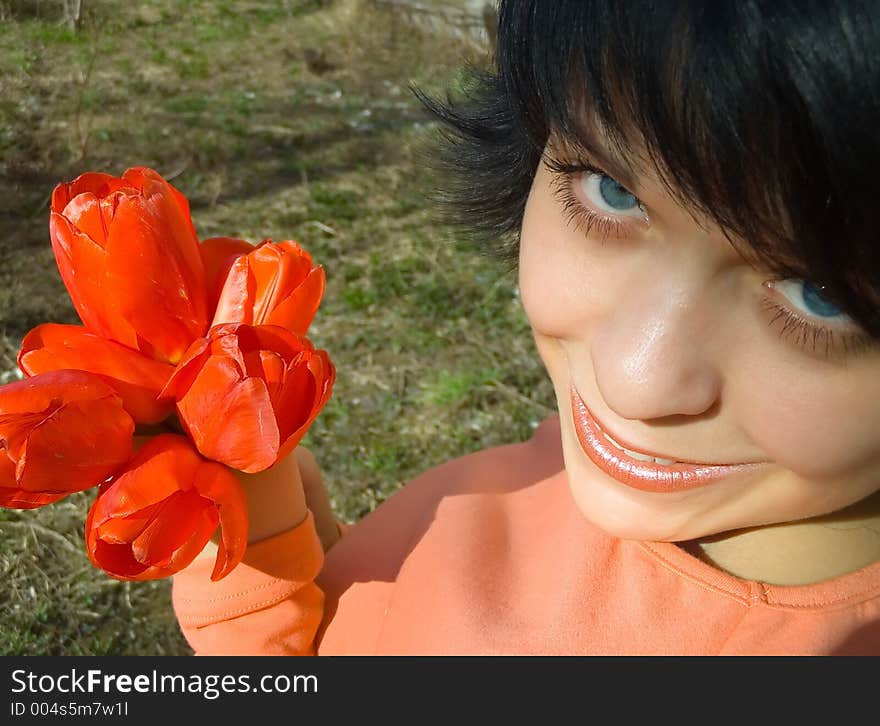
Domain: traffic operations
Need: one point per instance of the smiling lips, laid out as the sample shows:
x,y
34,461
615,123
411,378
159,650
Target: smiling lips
x,y
653,474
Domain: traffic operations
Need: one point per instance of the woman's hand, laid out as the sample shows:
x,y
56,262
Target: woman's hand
x,y
279,497
276,499
317,499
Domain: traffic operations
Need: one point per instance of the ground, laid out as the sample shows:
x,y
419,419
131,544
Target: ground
x,y
282,120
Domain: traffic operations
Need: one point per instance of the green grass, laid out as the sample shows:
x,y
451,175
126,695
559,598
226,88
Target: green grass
x,y
434,356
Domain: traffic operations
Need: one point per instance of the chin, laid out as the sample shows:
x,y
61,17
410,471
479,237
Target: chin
x,y
629,514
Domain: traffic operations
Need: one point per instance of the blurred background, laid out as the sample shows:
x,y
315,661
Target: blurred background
x,y
281,119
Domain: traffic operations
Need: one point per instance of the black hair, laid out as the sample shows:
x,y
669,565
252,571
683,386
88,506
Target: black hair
x,y
760,115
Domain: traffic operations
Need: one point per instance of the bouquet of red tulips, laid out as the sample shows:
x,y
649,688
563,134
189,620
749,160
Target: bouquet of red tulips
x,y
200,346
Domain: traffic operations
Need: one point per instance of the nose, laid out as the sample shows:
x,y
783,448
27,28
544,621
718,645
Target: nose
x,y
656,354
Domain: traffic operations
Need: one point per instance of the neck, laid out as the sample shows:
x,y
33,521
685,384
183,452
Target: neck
x,y
798,553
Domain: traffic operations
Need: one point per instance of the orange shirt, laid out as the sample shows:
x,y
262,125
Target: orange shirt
x,y
488,554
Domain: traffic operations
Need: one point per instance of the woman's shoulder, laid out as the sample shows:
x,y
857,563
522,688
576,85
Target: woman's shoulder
x,y
447,509
495,471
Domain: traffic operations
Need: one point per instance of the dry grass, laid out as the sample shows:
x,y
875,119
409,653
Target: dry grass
x,y
434,356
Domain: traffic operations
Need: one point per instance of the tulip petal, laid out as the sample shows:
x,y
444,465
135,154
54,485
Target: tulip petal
x,y
122,530
297,399
297,310
18,499
243,432
268,365
201,406
219,485
221,255
94,182
39,392
84,212
135,377
234,303
188,551
114,558
16,427
164,465
148,180
82,264
12,497
79,446
323,374
266,337
155,275
169,529
218,253
186,371
277,270
119,562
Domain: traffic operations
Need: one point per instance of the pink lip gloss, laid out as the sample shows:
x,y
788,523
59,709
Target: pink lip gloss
x,y
644,475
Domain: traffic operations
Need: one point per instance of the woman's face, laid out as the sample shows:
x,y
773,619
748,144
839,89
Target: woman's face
x,y
676,347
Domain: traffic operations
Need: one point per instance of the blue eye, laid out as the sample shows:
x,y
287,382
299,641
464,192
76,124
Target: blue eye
x,y
616,196
806,297
816,304
607,195
813,322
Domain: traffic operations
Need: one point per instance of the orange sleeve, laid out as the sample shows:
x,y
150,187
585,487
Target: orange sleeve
x,y
268,605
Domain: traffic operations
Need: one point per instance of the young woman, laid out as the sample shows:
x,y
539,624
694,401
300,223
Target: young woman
x,y
688,189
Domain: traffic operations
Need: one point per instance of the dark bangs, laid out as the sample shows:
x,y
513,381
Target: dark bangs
x,y
763,117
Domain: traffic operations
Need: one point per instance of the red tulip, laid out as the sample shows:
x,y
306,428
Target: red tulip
x,y
60,432
272,284
247,394
153,519
128,254
135,377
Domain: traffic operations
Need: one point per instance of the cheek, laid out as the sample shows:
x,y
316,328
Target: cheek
x,y
546,312
816,429
559,289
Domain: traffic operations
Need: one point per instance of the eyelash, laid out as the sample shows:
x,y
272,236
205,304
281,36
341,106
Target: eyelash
x,y
582,219
806,334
